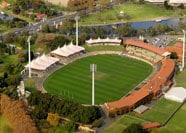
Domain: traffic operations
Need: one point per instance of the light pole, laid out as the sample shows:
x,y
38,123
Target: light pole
x,y
93,68
29,58
76,19
183,51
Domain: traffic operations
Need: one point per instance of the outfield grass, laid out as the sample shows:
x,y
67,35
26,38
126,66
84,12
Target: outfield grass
x,y
103,48
5,126
115,77
137,12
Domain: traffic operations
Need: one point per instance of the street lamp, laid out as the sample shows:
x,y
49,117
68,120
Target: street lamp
x,y
29,58
93,68
183,51
76,19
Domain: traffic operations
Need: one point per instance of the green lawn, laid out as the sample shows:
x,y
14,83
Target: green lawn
x,y
160,112
135,11
181,78
177,124
115,77
103,48
122,123
5,126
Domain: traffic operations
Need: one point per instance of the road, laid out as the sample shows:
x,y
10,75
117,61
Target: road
x,y
32,28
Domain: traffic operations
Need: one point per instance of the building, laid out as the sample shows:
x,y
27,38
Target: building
x,y
42,64
157,2
5,4
40,16
145,50
154,88
106,41
67,51
177,2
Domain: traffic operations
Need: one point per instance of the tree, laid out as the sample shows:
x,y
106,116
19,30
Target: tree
x,y
16,10
53,119
134,128
70,126
166,5
15,112
174,55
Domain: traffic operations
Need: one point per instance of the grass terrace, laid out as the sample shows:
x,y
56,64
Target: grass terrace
x,y
135,11
103,48
115,77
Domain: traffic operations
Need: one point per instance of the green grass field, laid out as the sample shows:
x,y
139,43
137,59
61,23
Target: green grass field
x,y
160,112
177,124
115,76
5,126
103,48
136,12
122,123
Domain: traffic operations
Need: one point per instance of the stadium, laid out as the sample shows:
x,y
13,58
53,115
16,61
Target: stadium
x,y
119,95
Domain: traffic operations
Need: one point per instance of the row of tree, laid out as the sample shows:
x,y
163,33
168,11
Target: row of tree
x,y
44,103
15,113
37,6
12,23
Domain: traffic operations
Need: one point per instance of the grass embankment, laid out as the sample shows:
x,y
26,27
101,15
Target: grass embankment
x,y
115,76
103,48
136,12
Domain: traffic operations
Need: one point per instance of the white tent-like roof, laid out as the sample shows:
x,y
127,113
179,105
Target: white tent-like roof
x,y
42,62
106,40
177,1
68,50
176,94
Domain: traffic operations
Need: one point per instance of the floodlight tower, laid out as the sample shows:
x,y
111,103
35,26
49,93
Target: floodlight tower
x,y
29,58
183,51
93,68
76,19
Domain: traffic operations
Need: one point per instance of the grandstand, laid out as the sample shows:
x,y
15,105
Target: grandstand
x,y
146,51
154,87
106,41
67,51
41,64
46,62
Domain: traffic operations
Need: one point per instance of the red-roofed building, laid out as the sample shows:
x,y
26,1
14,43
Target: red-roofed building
x,y
145,50
179,45
151,125
5,4
178,50
153,88
40,16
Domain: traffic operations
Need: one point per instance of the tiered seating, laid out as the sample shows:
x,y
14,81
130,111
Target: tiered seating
x,y
150,90
144,50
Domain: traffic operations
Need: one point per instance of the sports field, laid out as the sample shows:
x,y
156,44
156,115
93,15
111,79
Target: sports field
x,y
159,113
115,76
